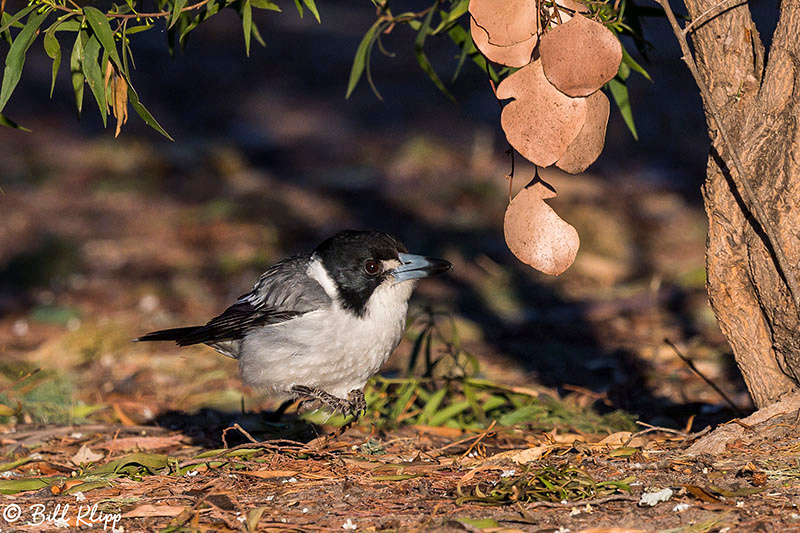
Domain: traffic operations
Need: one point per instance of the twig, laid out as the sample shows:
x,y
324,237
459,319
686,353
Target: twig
x,y
652,429
241,430
711,384
740,179
158,14
480,438
710,13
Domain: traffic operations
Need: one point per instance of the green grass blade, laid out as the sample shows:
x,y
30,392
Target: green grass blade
x,y
431,406
449,412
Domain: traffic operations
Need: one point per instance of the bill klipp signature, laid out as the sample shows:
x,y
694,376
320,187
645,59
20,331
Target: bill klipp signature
x,y
60,516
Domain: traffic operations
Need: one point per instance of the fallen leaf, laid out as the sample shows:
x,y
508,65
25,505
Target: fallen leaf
x,y
536,234
528,455
619,439
85,455
148,510
587,146
505,31
140,443
542,121
580,56
701,494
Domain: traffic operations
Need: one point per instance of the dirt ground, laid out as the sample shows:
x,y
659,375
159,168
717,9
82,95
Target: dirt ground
x,y
102,240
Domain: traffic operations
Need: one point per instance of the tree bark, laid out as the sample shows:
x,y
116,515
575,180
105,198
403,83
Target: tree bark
x,y
760,106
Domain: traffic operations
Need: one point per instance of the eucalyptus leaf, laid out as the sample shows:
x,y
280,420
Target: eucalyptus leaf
x,y
247,25
265,4
102,29
16,55
11,20
94,75
422,59
313,8
619,91
8,123
76,70
177,8
53,50
142,111
360,60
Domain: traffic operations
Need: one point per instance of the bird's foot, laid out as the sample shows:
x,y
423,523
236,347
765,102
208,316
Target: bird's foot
x,y
358,404
314,394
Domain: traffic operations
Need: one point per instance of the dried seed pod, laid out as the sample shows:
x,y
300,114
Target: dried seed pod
x,y
588,145
542,121
580,56
536,235
505,31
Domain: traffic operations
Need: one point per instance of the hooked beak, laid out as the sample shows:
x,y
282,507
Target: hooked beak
x,y
416,266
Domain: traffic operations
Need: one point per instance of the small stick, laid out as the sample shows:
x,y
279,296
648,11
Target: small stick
x,y
713,385
241,430
480,438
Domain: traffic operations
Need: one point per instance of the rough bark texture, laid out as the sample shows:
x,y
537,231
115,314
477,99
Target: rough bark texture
x,y
760,106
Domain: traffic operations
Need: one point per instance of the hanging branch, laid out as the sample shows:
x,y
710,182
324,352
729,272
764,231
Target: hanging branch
x,y
739,178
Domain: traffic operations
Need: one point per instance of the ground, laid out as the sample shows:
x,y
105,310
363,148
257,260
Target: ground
x,y
102,240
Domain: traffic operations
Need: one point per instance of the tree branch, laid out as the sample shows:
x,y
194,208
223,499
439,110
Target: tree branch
x,y
740,178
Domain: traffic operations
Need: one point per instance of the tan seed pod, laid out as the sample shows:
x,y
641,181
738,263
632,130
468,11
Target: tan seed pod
x,y
580,56
505,31
588,145
542,121
536,235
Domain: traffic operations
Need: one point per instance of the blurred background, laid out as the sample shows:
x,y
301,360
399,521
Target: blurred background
x,y
102,240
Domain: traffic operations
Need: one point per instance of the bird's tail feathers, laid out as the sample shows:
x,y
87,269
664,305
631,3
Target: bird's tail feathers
x,y
175,334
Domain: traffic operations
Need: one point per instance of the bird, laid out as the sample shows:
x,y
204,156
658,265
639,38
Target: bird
x,y
317,325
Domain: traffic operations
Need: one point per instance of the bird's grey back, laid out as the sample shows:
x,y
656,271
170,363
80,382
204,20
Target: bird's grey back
x,y
286,286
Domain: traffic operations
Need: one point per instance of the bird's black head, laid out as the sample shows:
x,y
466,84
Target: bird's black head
x,y
359,262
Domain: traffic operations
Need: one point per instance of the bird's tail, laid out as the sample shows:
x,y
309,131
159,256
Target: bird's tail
x,y
175,334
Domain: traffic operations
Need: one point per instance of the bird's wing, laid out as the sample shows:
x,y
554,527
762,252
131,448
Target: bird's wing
x,y
283,292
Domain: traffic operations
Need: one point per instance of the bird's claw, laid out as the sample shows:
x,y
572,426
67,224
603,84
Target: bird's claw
x,y
355,404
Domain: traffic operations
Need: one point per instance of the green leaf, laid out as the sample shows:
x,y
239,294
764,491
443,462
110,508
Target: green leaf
x,y
94,75
12,20
403,397
137,29
299,7
142,111
14,486
313,8
77,70
422,59
451,411
432,406
102,29
16,55
247,25
619,91
53,50
479,523
176,12
265,4
360,60
456,12
257,35
14,464
8,123
462,37
630,62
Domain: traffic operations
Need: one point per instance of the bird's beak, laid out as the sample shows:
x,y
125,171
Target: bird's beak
x,y
416,266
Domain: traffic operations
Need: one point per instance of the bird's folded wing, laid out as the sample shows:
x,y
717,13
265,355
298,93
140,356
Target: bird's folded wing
x,y
283,292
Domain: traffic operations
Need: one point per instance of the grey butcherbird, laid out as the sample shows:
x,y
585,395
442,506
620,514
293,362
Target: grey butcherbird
x,y
318,325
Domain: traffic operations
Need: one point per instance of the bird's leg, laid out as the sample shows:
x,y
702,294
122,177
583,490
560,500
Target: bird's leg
x,y
338,405
358,404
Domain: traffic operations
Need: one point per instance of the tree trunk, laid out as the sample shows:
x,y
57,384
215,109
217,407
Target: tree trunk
x,y
760,107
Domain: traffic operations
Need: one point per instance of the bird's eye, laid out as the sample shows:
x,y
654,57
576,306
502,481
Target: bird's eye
x,y
372,267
